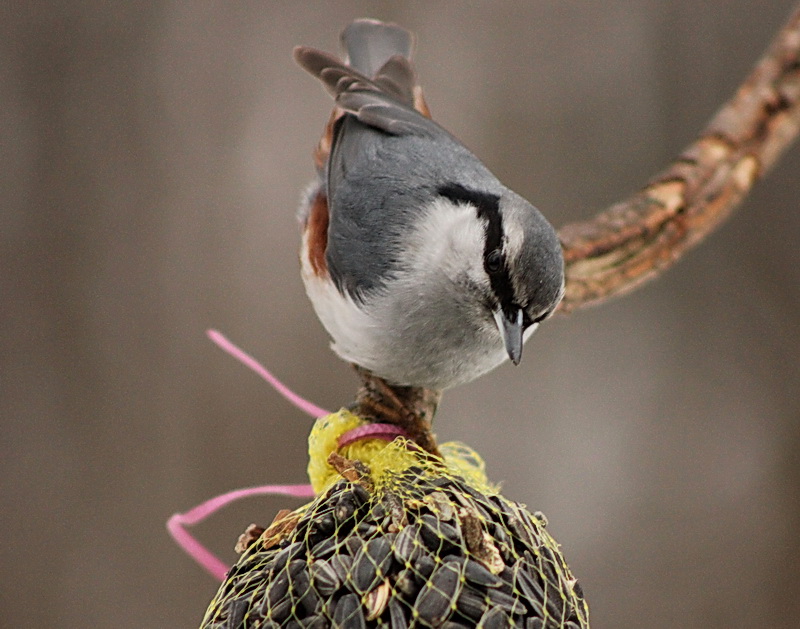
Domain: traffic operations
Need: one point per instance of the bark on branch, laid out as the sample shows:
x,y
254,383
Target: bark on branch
x,y
633,241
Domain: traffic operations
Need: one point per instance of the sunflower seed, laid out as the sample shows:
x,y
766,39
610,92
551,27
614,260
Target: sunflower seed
x,y
533,523
501,504
555,608
295,567
397,615
506,602
438,535
543,576
276,592
325,523
345,507
528,586
324,549
486,512
366,530
380,549
300,581
365,574
479,498
506,577
342,566
463,500
395,508
371,564
548,564
442,482
425,566
348,613
353,544
281,611
305,596
500,534
471,604
476,573
438,596
407,546
495,618
324,577
337,488
377,599
286,555
311,603
406,582
521,533
360,494
236,611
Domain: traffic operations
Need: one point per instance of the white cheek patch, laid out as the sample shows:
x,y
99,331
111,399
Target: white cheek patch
x,y
514,238
450,238
514,235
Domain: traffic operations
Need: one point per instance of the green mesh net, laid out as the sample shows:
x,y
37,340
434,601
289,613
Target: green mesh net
x,y
405,539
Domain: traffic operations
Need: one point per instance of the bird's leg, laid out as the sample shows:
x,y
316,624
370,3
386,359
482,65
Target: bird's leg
x,y
410,408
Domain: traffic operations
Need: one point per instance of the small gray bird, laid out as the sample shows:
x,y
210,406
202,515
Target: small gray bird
x,y
422,266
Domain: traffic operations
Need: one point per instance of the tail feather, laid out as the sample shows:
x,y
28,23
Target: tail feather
x,y
397,78
378,60
370,44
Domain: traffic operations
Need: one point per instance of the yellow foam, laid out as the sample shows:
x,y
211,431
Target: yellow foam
x,y
386,459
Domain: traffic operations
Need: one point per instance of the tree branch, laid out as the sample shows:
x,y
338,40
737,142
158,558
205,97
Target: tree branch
x,y
635,240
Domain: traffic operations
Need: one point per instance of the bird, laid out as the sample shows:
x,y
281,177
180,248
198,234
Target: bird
x,y
424,269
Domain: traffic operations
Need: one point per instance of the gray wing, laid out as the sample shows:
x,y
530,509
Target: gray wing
x,y
386,159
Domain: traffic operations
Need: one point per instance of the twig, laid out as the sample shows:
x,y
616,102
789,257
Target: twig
x,y
411,408
635,240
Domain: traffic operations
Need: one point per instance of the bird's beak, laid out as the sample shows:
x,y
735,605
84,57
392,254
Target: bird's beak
x,y
510,326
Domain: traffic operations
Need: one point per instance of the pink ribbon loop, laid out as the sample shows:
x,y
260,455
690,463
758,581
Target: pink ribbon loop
x,y
178,523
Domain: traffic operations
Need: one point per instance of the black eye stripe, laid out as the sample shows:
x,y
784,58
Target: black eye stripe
x,y
488,208
459,194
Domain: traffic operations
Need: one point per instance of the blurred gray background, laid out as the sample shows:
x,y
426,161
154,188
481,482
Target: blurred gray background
x,y
152,158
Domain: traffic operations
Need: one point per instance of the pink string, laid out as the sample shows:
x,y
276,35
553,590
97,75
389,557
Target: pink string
x,y
387,432
304,405
177,524
208,560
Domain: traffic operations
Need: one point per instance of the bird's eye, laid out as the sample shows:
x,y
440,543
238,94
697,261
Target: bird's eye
x,y
494,261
